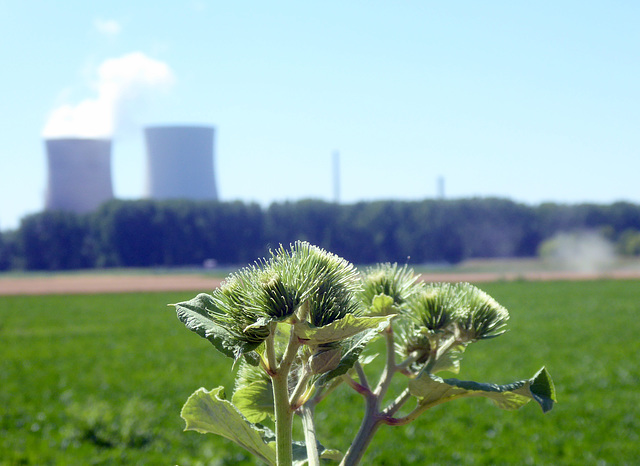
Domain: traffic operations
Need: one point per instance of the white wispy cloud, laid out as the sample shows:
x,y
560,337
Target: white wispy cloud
x,y
123,86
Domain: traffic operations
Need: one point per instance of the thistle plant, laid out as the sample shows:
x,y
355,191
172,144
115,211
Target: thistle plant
x,y
296,325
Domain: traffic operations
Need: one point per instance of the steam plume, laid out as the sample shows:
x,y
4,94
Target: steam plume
x,y
581,251
123,86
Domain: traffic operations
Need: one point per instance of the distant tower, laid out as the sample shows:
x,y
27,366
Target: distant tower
x,y
441,187
79,178
180,162
336,177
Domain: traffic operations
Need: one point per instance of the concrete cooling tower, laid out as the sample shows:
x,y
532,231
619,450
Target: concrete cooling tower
x,y
79,177
180,162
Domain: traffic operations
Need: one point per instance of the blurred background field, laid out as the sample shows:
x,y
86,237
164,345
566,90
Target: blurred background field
x,y
100,379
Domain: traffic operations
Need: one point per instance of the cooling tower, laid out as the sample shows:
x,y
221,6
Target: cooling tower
x,y
180,162
79,174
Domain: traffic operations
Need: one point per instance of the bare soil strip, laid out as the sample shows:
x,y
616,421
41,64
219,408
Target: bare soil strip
x,y
92,284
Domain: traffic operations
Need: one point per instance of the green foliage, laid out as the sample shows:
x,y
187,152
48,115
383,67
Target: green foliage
x,y
209,412
233,334
130,426
54,241
628,243
173,233
386,288
338,330
305,304
8,254
432,390
237,317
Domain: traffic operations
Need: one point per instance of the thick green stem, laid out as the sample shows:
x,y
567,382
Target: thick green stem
x,y
284,419
282,407
310,434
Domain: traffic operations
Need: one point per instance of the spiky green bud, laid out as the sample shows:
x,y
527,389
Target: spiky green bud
x,y
433,309
398,283
481,316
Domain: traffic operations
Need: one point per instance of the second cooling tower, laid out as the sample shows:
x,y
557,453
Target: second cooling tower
x,y
180,162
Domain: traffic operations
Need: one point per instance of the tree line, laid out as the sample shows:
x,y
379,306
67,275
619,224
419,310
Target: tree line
x,y
145,233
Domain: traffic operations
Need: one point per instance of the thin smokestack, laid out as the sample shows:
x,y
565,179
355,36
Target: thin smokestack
x,y
440,187
336,177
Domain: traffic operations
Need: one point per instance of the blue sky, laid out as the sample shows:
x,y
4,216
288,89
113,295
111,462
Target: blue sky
x,y
534,101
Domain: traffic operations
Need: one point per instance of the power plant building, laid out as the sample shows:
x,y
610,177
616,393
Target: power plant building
x,y
79,175
180,162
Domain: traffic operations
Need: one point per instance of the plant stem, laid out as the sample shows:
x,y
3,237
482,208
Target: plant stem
x,y
413,415
396,404
284,419
270,349
282,407
364,391
301,389
372,418
361,375
368,428
307,411
390,366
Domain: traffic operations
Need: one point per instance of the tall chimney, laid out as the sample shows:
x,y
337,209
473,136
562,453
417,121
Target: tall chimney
x,y
79,177
180,162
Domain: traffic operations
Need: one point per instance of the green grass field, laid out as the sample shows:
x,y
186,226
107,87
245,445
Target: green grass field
x,y
101,380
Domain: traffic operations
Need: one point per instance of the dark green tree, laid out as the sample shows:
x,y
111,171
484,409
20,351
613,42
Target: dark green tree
x,y
54,240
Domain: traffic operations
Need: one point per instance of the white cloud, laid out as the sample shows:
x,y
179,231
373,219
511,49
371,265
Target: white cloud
x,y
108,27
124,86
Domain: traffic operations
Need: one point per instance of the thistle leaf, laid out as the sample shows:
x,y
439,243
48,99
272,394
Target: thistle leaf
x,y
450,361
432,390
196,317
382,305
338,330
351,350
209,412
254,401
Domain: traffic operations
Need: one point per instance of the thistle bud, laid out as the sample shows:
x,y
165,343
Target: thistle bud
x,y
325,360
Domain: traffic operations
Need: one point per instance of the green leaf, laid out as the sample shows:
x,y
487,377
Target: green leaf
x,y
254,401
338,330
332,455
432,390
351,350
382,305
450,361
195,314
209,412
